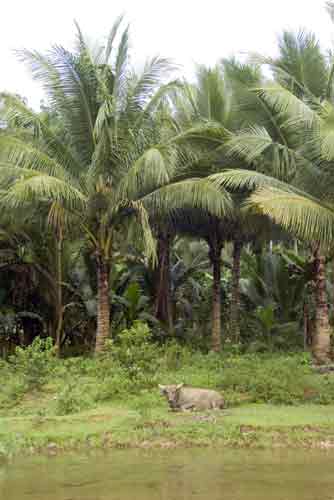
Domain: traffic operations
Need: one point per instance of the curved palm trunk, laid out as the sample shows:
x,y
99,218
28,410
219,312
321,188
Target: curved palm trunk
x,y
215,258
321,337
235,299
103,306
163,306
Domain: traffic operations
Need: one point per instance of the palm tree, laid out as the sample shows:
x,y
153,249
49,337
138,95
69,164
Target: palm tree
x,y
202,224
28,132
235,291
294,144
302,68
219,103
163,310
207,105
29,253
311,220
298,212
103,174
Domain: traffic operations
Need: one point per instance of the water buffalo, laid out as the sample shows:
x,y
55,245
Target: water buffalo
x,y
183,398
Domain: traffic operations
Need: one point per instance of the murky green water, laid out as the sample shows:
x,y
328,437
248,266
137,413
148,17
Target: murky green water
x,y
172,475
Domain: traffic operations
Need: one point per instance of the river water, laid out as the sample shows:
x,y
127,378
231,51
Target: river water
x,y
199,474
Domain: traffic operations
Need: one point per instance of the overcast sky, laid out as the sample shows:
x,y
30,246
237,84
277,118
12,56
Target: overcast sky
x,y
184,30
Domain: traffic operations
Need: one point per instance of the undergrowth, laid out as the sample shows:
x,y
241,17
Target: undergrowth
x,y
134,365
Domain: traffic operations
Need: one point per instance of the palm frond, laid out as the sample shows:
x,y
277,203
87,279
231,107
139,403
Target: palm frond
x,y
58,217
323,137
211,96
245,75
11,173
184,102
79,83
103,118
189,194
111,38
141,229
71,84
296,212
145,85
300,66
245,180
17,153
81,44
256,147
330,82
37,187
249,144
121,67
161,94
44,72
284,103
15,110
151,170
241,79
204,134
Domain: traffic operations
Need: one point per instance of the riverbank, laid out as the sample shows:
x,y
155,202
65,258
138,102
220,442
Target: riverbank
x,y
51,405
123,426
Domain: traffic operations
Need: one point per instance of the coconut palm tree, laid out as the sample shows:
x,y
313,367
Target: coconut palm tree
x,y
308,74
208,105
220,102
302,156
101,172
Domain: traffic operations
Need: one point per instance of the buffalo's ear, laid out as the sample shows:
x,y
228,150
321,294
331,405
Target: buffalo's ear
x,y
179,386
162,388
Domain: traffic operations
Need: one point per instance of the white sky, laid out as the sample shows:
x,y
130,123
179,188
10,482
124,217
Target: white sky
x,y
187,31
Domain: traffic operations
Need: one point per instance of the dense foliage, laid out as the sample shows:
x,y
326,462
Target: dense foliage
x,y
203,210
132,369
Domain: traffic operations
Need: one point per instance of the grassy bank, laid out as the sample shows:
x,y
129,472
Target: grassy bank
x,y
49,404
127,426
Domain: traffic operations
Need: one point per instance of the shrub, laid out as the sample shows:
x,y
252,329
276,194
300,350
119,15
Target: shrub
x,y
274,379
12,391
146,403
79,365
72,399
137,355
34,363
115,384
175,356
322,391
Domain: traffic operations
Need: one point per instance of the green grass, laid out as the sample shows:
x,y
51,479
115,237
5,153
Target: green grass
x,y
53,405
282,416
123,426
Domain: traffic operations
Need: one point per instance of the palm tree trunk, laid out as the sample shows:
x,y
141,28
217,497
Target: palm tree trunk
x,y
235,299
215,258
103,306
321,337
163,306
305,325
60,309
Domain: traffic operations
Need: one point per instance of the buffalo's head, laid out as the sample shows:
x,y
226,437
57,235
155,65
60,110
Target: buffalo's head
x,y
171,392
